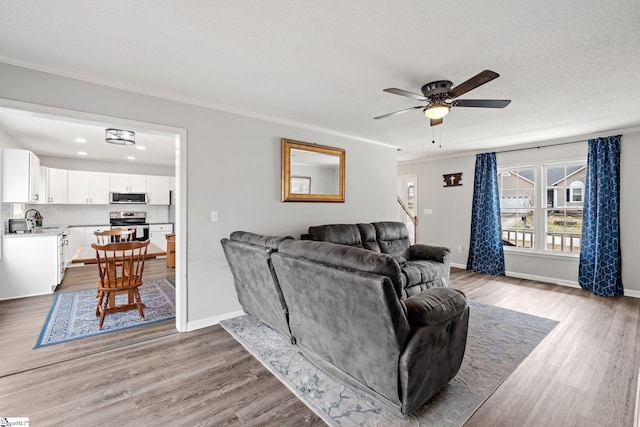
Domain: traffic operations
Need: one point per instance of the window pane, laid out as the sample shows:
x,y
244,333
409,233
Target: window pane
x,y
564,229
517,205
518,228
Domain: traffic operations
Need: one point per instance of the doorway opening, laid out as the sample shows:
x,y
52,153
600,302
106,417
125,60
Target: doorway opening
x,y
407,189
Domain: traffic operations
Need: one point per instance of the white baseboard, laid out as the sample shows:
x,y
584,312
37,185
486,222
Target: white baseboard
x,y
211,321
544,279
627,292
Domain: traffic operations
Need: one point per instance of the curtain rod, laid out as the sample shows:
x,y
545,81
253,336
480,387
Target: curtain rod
x,y
541,146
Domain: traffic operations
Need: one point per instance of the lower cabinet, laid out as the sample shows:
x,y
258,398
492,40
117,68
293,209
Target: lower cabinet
x,y
81,236
158,233
30,266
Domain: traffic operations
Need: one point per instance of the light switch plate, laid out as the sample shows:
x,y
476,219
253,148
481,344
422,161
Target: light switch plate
x,y
214,216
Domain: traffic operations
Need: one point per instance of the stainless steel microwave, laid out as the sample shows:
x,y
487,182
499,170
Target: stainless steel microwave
x,y
128,198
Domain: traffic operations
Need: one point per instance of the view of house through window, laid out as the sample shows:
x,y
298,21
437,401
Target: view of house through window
x,y
554,226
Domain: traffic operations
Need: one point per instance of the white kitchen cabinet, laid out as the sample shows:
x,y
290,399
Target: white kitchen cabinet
x,y
53,186
172,183
127,183
89,233
75,239
20,176
87,188
158,190
30,265
81,236
158,233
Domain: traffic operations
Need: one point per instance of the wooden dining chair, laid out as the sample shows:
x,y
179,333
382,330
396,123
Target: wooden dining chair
x,y
121,265
114,236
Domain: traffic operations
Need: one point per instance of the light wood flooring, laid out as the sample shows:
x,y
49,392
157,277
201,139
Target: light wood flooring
x,y
585,373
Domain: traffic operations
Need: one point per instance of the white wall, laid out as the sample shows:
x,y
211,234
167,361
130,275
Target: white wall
x,y
450,223
232,166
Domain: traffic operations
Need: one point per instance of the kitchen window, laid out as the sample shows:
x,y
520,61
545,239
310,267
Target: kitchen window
x,y
553,226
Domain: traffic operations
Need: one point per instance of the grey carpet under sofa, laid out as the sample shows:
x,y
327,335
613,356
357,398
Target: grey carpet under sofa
x,y
349,312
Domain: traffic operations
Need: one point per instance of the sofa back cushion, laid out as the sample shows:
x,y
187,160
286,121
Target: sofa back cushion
x,y
342,234
368,236
259,293
392,237
347,257
271,242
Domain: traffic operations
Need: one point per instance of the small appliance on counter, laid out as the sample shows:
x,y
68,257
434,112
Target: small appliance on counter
x,y
20,225
37,217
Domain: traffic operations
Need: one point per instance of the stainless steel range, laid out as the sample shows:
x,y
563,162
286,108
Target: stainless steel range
x,y
128,220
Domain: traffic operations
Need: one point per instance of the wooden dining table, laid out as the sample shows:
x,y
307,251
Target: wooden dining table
x,y
87,255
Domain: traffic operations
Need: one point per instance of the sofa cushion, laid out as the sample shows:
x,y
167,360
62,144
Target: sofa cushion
x,y
347,257
272,242
423,271
368,236
342,234
392,237
435,306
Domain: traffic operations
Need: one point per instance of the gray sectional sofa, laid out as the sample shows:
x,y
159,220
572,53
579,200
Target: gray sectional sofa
x,y
423,266
347,311
259,293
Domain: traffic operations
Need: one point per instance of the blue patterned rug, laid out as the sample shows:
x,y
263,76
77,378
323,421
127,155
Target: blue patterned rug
x,y
73,314
498,341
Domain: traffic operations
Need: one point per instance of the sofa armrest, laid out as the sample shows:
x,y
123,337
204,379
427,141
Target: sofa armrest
x,y
428,252
435,306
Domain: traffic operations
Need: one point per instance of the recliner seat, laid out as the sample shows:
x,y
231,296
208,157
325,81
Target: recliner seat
x,y
423,266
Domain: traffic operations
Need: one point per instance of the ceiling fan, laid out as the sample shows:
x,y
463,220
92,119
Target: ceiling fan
x,y
441,97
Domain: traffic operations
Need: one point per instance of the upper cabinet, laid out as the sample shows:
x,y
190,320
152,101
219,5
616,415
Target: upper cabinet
x,y
127,183
20,176
158,190
85,187
53,186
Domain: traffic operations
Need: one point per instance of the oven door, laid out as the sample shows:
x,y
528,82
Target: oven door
x,y
141,230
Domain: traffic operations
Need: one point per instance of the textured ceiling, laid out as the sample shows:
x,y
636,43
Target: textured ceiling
x,y
569,67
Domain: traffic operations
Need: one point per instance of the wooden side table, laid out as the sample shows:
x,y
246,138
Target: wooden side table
x,y
171,250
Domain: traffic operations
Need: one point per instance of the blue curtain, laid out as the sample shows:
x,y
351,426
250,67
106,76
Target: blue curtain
x,y
485,248
600,259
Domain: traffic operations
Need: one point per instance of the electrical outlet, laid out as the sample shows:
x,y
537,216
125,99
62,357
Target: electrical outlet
x,y
460,249
428,211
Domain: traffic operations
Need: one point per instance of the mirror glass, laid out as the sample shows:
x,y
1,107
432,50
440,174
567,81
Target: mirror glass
x,y
311,172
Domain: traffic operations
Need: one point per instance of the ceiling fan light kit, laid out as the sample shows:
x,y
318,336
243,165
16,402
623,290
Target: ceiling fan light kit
x,y
120,137
437,111
441,97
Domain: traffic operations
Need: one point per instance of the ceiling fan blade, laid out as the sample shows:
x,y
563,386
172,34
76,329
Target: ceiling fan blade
x,y
405,93
436,122
482,103
397,112
475,81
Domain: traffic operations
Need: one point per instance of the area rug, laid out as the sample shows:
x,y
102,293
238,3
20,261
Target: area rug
x,y
73,314
498,341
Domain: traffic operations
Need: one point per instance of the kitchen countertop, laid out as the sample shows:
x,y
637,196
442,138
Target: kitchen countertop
x,y
55,230
39,232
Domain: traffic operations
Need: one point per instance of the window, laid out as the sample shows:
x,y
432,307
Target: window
x,y
563,225
553,227
517,206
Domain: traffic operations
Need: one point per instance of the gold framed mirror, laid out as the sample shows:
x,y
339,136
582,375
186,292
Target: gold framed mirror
x,y
312,172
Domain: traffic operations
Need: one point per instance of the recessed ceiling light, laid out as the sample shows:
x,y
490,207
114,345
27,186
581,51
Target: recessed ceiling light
x,y
81,140
140,147
130,158
82,153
